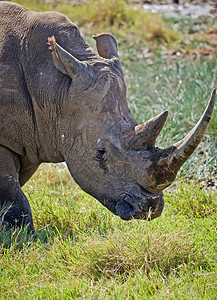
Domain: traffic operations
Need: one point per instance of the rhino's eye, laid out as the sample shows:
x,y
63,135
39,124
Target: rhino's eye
x,y
99,155
101,159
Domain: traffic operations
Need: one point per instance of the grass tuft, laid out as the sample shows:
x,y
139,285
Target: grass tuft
x,y
191,200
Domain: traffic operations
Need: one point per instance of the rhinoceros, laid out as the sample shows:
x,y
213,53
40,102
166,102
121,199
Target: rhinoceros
x,y
62,101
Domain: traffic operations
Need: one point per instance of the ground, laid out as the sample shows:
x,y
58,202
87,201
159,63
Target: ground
x,y
180,1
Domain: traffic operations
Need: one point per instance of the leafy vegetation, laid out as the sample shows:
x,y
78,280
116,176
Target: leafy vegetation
x,y
113,16
131,24
117,17
80,249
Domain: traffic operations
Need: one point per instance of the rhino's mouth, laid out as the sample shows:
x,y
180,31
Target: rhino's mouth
x,y
147,208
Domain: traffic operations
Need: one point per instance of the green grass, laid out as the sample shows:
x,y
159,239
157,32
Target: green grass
x,y
81,250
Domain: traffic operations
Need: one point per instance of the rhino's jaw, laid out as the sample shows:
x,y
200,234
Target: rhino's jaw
x,y
147,208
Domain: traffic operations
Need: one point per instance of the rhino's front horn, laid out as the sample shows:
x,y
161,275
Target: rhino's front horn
x,y
173,158
185,147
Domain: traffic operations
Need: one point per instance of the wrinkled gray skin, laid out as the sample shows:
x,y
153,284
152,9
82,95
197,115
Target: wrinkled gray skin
x,y
52,111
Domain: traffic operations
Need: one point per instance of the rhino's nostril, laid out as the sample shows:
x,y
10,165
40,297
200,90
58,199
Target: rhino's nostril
x,y
128,200
125,210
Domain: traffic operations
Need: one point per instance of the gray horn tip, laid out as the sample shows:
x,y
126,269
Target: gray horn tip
x,y
166,112
212,98
162,117
210,105
213,93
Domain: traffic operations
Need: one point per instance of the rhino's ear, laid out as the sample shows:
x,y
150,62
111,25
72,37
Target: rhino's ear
x,y
107,48
67,64
106,45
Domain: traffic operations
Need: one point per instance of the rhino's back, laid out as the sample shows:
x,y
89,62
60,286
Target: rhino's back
x,y
27,75
19,21
24,54
24,33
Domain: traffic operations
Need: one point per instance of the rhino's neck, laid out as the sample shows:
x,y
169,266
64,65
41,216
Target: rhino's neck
x,y
47,87
46,114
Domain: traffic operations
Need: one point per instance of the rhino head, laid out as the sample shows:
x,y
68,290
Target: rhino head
x,y
108,153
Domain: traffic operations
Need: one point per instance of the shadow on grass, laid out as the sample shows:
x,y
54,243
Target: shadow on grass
x,y
19,238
